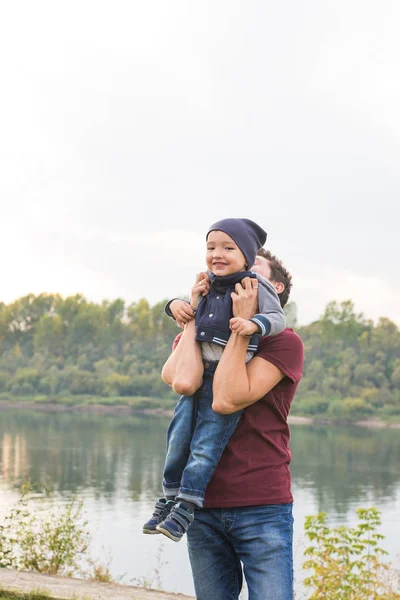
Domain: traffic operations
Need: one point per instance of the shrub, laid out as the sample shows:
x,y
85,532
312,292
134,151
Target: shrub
x,y
47,541
4,378
118,385
346,561
350,408
312,404
27,375
26,389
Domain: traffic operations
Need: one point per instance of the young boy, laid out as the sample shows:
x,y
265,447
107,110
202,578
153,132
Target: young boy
x,y
197,435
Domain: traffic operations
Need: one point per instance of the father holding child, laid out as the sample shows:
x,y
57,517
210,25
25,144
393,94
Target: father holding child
x,y
245,517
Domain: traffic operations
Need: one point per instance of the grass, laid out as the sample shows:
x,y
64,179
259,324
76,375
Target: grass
x,y
133,402
35,595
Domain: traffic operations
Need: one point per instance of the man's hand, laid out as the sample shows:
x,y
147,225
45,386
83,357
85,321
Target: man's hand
x,y
245,298
243,326
182,311
200,288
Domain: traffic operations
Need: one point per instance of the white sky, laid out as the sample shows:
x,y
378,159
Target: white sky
x,y
128,127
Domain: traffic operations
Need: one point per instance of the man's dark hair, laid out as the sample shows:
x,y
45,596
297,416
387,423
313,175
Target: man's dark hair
x,y
278,273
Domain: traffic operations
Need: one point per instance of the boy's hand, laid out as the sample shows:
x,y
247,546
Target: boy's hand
x,y
243,326
200,288
244,298
182,312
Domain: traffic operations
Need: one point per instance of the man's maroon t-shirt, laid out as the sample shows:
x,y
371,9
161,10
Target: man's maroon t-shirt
x,y
254,468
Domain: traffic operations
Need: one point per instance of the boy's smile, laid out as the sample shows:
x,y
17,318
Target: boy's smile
x,y
223,256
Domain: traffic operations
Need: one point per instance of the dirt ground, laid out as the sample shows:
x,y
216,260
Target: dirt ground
x,y
65,587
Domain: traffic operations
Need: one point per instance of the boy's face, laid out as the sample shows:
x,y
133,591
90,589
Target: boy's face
x,y
223,255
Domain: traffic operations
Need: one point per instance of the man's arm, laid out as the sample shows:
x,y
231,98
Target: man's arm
x,y
237,385
184,369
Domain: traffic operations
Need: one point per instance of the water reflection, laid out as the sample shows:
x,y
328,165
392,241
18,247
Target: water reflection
x,y
80,451
344,465
125,455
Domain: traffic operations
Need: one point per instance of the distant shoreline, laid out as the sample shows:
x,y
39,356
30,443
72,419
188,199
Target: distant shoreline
x,y
370,423
96,409
126,409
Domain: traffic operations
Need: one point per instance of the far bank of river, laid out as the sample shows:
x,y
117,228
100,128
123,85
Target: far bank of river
x,y
137,406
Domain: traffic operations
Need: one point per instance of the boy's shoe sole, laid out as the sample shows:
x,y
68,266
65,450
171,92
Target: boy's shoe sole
x,y
171,536
150,531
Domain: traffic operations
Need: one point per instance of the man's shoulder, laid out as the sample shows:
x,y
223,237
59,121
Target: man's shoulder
x,y
285,351
285,339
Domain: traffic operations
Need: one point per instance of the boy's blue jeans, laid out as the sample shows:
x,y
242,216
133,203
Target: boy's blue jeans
x,y
196,438
260,538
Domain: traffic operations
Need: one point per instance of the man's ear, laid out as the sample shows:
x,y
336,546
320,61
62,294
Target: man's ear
x,y
279,287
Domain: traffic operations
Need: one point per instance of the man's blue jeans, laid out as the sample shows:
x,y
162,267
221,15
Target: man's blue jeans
x,y
197,437
259,537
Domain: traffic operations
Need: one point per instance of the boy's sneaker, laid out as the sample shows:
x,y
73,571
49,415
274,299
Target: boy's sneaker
x,y
178,521
161,510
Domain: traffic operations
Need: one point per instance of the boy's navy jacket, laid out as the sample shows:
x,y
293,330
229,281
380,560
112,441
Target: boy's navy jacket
x,y
214,310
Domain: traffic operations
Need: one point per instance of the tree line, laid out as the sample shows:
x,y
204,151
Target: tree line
x,y
57,347
352,366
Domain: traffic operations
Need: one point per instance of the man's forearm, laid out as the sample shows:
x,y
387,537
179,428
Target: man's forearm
x,y
231,383
183,370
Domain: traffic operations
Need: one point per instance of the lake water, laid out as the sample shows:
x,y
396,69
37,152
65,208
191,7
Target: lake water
x,y
115,465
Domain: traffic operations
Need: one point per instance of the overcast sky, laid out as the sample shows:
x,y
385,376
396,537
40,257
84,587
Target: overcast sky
x,y
128,127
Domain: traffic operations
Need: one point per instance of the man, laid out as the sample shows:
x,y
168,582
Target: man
x,y
247,515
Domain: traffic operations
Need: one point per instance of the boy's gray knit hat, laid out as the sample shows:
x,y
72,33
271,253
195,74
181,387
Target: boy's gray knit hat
x,y
249,236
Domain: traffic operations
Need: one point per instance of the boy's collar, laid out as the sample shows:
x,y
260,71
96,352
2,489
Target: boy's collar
x,y
222,283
